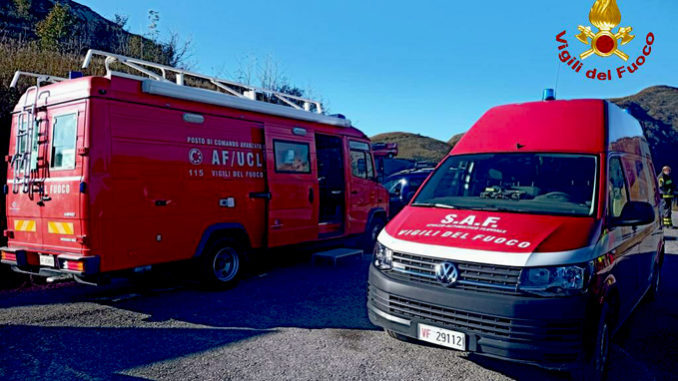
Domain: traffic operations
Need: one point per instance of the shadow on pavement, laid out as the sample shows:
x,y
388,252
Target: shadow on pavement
x,y
34,352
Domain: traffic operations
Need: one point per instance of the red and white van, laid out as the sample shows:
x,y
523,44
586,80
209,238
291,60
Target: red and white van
x,y
532,241
121,172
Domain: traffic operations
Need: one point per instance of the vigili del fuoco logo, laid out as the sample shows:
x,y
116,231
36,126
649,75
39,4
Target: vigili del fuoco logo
x,y
605,16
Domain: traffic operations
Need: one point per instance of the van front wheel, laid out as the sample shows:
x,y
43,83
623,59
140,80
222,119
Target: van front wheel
x,y
221,264
595,366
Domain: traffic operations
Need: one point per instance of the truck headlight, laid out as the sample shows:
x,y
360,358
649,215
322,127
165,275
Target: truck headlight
x,y
555,281
383,256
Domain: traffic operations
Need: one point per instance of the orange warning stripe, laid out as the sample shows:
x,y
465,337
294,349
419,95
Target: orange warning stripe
x,y
24,225
60,227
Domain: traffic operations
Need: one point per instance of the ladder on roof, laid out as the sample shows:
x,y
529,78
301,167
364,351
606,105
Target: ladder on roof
x,y
24,162
160,72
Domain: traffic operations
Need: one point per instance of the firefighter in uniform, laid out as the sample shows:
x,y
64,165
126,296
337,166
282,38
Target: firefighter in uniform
x,y
666,188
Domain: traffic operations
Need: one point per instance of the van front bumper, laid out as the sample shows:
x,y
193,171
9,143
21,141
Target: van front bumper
x,y
28,262
548,332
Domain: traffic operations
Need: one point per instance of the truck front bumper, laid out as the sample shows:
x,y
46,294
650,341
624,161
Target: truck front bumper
x,y
548,332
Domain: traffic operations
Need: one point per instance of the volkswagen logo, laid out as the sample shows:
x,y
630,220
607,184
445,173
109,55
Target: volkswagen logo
x,y
447,273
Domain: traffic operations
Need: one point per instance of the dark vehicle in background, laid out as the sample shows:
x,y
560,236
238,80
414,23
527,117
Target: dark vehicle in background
x,y
389,150
402,186
387,167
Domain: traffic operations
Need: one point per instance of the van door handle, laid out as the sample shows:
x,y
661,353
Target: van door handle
x,y
310,195
354,192
266,195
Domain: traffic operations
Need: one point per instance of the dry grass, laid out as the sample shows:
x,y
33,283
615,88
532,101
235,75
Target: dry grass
x,y
415,146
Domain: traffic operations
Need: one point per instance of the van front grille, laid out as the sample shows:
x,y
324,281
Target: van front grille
x,y
472,276
507,328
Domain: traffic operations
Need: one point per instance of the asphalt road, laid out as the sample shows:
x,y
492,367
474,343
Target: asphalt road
x,y
290,323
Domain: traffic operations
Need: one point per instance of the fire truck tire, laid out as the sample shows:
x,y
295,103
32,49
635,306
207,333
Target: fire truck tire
x,y
370,236
221,264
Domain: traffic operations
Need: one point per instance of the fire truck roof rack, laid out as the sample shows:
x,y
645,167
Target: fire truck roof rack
x,y
158,83
39,78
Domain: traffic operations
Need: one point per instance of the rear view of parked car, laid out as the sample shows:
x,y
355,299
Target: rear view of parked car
x,y
532,241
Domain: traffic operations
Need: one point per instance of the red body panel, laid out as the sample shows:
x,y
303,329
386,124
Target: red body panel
x,y
558,126
492,231
155,181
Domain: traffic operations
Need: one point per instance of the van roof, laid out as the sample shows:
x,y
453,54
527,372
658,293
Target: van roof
x,y
201,101
568,126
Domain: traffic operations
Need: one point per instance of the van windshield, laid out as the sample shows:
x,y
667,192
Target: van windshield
x,y
523,183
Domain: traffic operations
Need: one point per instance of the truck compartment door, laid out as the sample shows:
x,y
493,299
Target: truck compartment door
x,y
293,185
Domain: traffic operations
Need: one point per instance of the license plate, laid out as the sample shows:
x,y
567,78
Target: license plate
x,y
444,337
46,260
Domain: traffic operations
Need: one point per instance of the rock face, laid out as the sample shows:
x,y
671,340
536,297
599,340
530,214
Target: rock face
x,y
657,110
415,146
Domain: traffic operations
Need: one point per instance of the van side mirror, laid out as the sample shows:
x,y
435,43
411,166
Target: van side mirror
x,y
634,213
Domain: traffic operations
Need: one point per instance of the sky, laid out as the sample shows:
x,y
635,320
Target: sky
x,y
428,67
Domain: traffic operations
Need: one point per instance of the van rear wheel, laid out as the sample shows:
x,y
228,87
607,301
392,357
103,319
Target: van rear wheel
x,y
221,264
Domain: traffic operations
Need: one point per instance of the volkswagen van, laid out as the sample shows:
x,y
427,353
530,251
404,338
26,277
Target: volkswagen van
x,y
532,241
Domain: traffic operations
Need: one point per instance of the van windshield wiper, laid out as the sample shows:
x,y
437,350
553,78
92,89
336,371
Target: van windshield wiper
x,y
433,205
492,208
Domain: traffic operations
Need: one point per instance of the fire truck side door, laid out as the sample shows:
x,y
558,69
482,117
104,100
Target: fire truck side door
x,y
293,185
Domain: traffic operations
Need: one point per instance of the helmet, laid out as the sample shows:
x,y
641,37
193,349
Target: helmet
x,y
666,167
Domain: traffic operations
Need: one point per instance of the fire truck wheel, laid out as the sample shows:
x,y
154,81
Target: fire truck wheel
x,y
221,263
371,233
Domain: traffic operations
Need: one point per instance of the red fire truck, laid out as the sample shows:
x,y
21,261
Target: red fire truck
x,y
115,173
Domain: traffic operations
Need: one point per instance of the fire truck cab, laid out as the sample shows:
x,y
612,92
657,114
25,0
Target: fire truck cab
x,y
121,172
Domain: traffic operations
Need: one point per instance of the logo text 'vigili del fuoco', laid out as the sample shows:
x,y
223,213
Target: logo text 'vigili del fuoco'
x,y
605,42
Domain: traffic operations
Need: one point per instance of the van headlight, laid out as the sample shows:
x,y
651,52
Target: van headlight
x,y
555,281
383,257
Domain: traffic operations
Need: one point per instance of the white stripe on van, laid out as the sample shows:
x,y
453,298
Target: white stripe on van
x,y
501,258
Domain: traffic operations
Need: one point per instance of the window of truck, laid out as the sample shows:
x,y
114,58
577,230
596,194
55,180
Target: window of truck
x,y
22,141
617,188
64,135
540,183
361,160
291,157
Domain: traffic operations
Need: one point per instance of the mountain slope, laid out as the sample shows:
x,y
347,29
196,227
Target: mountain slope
x,y
657,110
415,146
90,30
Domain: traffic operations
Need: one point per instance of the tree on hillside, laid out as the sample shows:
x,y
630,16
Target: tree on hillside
x,y
56,27
269,76
120,20
23,8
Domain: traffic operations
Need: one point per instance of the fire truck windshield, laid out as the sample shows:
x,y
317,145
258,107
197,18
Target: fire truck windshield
x,y
523,183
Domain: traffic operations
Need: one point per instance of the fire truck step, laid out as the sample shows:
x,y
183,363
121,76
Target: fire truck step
x,y
335,254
